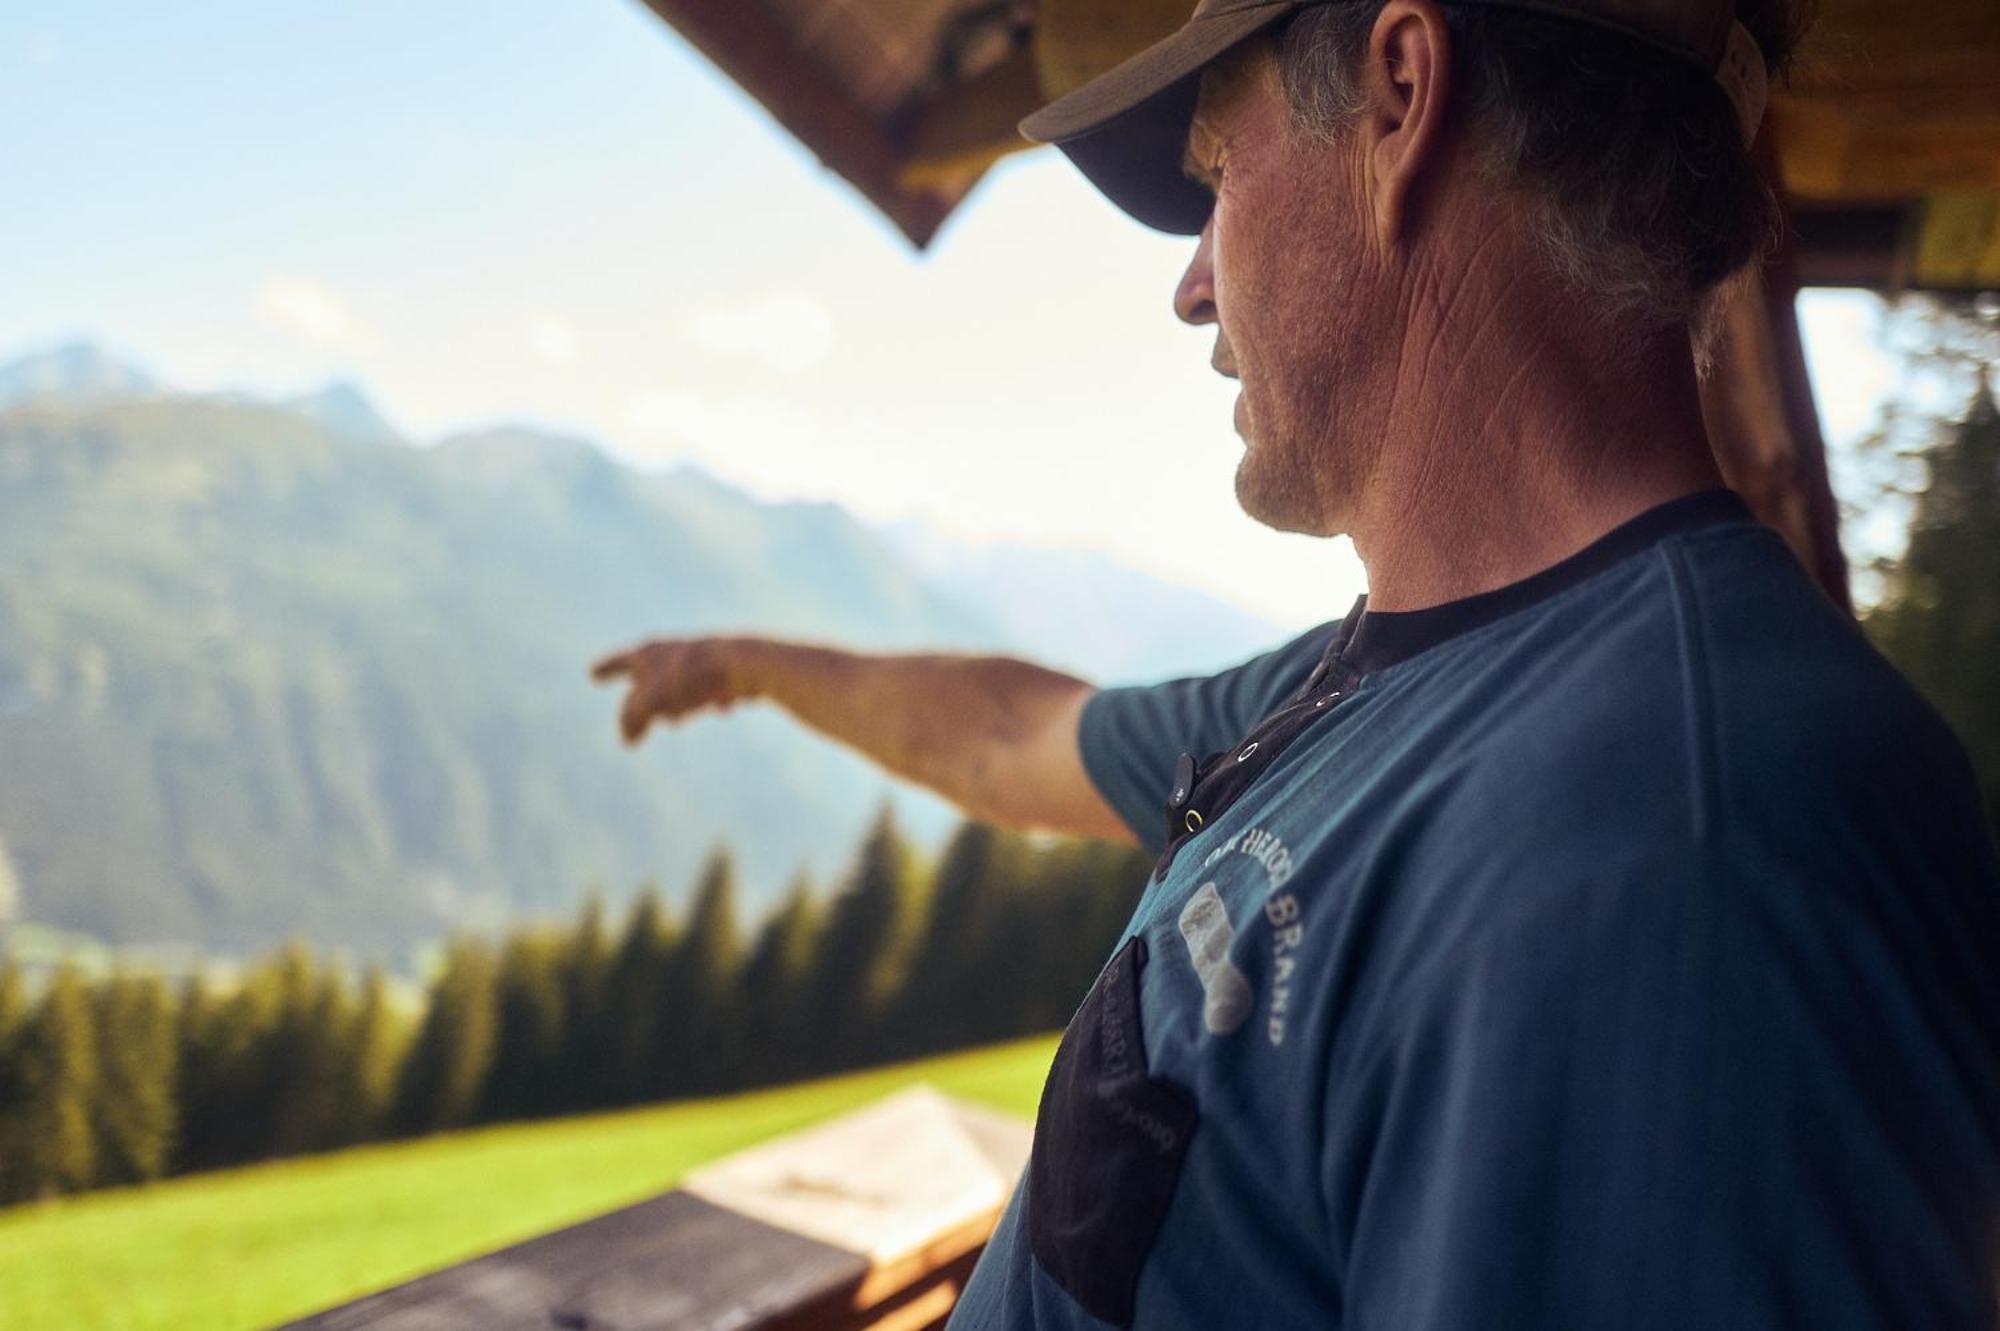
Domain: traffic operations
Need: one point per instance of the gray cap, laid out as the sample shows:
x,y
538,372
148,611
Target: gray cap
x,y
1127,129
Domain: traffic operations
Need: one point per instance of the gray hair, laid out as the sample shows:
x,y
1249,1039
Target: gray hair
x,y
1647,201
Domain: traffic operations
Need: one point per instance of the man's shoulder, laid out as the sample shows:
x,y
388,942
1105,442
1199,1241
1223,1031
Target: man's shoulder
x,y
1726,639
1786,686
1713,684
1726,741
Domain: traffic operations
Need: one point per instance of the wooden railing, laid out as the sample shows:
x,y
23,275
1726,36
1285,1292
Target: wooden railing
x,y
872,1222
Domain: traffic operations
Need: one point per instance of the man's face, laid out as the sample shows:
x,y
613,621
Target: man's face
x,y
1286,270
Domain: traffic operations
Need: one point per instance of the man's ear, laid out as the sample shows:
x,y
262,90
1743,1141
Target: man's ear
x,y
1406,85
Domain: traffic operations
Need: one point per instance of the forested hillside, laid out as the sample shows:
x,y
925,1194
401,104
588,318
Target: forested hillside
x,y
259,677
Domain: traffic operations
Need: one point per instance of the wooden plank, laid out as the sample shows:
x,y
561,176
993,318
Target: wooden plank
x,y
925,1304
1958,244
928,1307
870,1222
890,1181
675,1263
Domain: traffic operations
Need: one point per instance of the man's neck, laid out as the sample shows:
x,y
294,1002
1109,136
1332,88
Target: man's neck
x,y
1534,445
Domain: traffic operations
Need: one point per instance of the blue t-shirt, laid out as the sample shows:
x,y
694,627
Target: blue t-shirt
x,y
1619,950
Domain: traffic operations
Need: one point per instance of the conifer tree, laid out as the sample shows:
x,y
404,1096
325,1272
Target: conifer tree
x,y
58,1062
305,1047
13,1138
864,950
589,1042
371,1058
135,1108
634,998
698,1041
444,1077
229,1078
13,1002
527,1066
251,1066
1084,893
944,1003
1941,620
772,989
204,1084
1015,978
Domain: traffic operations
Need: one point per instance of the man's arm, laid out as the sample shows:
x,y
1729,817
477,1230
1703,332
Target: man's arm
x,y
994,735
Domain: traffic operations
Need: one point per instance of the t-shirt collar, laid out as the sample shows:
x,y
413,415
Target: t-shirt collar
x,y
1371,640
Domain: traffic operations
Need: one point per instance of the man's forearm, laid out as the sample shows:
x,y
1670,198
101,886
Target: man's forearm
x,y
994,735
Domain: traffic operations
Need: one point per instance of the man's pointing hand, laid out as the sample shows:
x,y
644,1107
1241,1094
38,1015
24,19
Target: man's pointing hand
x,y
670,678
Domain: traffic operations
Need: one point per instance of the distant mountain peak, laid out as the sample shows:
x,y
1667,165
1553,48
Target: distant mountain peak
x,y
1082,609
344,410
72,374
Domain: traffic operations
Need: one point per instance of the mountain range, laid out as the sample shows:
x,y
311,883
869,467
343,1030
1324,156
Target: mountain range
x,y
269,668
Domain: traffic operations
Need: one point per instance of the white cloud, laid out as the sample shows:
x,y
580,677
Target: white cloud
x,y
309,308
787,332
555,340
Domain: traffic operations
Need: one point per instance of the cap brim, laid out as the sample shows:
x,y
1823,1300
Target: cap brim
x,y
1127,129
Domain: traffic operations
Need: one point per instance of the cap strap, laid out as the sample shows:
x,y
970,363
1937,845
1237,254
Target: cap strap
x,y
1744,78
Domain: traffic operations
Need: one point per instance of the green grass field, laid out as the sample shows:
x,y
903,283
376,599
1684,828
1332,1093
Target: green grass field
x,y
249,1247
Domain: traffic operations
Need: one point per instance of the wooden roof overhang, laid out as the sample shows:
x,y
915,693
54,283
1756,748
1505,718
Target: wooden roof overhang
x,y
1885,143
1889,143
1887,137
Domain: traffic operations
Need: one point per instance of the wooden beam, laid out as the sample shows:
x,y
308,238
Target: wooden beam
x,y
1894,100
1891,103
1076,40
759,53
1764,424
1854,245
1958,245
1890,145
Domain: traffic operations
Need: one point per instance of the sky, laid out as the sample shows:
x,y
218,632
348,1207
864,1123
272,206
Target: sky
x,y
557,213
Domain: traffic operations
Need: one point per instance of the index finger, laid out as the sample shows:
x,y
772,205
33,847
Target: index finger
x,y
612,666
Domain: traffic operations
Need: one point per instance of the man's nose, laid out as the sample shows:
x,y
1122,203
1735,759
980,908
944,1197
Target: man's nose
x,y
1194,298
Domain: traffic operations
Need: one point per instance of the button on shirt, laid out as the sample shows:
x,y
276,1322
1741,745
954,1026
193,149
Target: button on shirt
x,y
1619,949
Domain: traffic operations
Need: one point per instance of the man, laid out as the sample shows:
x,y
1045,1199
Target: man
x,y
1589,930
